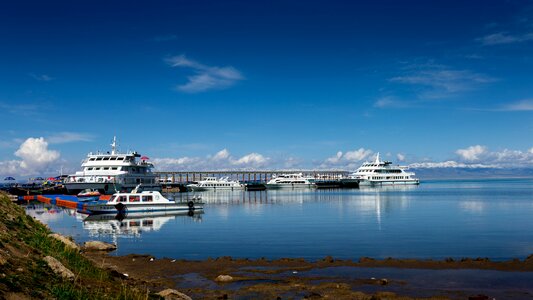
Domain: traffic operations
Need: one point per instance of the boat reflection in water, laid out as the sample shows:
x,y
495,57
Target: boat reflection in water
x,y
133,224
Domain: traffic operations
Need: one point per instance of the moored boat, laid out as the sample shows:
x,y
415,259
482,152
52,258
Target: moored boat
x,y
380,173
296,180
142,201
213,183
89,193
113,171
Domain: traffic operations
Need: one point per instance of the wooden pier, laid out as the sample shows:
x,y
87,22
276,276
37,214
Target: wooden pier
x,y
183,177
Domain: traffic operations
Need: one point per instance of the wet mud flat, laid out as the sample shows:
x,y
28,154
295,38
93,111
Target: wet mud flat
x,y
294,278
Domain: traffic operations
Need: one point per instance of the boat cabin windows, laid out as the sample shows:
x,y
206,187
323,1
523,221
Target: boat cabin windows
x,y
113,158
89,169
106,168
113,168
122,199
120,158
135,198
147,198
91,159
106,158
99,158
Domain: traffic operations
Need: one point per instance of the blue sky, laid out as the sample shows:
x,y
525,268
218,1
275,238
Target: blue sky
x,y
277,84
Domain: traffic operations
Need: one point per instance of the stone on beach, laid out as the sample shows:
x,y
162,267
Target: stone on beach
x,y
58,268
99,246
224,278
65,240
170,294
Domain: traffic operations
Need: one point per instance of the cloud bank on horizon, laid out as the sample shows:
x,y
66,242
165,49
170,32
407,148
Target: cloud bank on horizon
x,y
35,158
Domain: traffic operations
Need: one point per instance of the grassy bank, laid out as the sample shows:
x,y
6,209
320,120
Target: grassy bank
x,y
24,242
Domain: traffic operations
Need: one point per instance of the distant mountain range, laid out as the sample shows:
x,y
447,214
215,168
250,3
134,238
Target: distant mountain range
x,y
452,173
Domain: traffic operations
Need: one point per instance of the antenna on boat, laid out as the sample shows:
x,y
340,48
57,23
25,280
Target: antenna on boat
x,y
114,146
377,158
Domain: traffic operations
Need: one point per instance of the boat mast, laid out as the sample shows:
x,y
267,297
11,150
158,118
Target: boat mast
x,y
377,158
114,146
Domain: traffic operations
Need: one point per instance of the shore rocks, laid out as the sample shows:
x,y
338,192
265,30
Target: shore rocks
x,y
170,294
224,278
65,240
59,269
99,246
328,259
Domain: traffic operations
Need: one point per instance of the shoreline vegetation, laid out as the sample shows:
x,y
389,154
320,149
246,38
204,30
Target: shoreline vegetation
x,y
35,264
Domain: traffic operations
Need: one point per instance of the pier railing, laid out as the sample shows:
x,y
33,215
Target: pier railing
x,y
177,177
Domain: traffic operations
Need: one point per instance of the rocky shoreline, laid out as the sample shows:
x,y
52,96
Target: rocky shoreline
x,y
36,263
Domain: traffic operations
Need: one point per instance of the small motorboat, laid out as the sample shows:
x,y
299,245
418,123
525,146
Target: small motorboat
x,y
143,201
89,195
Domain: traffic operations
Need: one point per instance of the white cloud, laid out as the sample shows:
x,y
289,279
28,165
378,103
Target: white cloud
x,y
357,155
222,160
471,153
205,77
24,110
501,38
10,168
441,81
523,105
41,77
251,160
221,155
390,102
348,160
480,157
68,137
400,157
35,158
448,164
35,154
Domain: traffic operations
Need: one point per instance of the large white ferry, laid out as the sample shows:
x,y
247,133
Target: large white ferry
x,y
379,173
213,183
296,180
112,172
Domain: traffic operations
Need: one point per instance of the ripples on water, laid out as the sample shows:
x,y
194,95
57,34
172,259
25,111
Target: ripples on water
x,y
438,219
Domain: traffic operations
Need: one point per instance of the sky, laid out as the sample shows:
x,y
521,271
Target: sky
x,y
266,84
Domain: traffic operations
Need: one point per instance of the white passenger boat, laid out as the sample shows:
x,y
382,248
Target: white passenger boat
x,y
145,201
296,180
380,173
213,183
112,172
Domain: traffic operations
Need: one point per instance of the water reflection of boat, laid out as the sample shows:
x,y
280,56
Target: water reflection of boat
x,y
131,224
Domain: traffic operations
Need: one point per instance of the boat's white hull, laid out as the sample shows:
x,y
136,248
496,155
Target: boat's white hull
x,y
213,188
143,208
289,185
364,182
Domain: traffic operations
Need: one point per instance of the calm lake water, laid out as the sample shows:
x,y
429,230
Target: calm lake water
x,y
438,219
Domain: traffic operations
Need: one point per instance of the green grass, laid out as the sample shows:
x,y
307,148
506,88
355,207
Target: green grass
x,y
36,279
